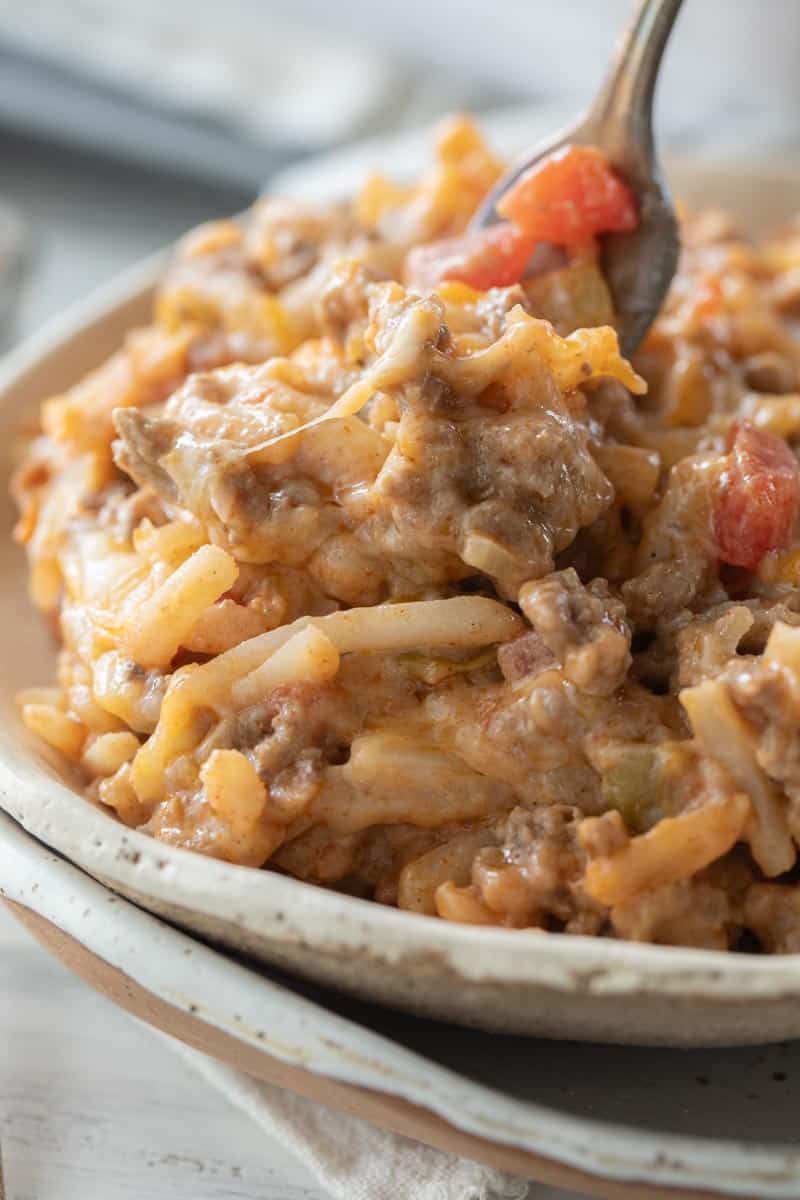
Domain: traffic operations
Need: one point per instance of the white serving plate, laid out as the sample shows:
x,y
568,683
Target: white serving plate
x,y
587,1118
552,986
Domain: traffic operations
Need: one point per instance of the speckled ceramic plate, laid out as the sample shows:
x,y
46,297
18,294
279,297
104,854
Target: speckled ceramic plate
x,y
623,1123
553,986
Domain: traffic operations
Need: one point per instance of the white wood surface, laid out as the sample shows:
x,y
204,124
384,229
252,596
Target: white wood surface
x,y
93,1107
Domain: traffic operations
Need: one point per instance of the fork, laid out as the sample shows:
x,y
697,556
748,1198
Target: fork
x,y
638,266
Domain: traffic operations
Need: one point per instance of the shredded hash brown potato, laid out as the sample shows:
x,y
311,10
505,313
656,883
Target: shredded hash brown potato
x,y
417,589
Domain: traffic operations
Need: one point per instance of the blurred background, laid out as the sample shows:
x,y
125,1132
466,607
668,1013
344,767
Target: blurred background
x,y
122,122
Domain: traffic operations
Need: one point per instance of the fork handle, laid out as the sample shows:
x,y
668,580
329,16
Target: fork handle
x,y
622,112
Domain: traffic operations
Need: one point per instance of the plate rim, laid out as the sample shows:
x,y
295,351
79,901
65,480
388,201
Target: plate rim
x,y
133,942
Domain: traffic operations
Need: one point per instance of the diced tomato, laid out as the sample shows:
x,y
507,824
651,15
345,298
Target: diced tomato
x,y
570,197
756,502
493,257
708,299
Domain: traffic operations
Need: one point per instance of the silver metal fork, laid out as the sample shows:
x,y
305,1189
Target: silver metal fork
x,y
638,266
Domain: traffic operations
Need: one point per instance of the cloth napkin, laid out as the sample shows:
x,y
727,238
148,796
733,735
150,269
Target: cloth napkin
x,y
234,62
222,92
350,1158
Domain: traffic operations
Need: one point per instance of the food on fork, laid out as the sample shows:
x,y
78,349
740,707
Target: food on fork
x,y
564,201
375,563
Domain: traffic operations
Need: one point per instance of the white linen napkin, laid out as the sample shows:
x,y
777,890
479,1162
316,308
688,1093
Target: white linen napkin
x,y
350,1158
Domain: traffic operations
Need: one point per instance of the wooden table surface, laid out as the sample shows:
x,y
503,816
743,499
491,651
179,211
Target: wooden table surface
x,y
94,1107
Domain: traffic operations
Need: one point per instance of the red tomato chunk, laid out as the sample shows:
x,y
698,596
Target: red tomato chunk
x,y
494,257
570,197
757,498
